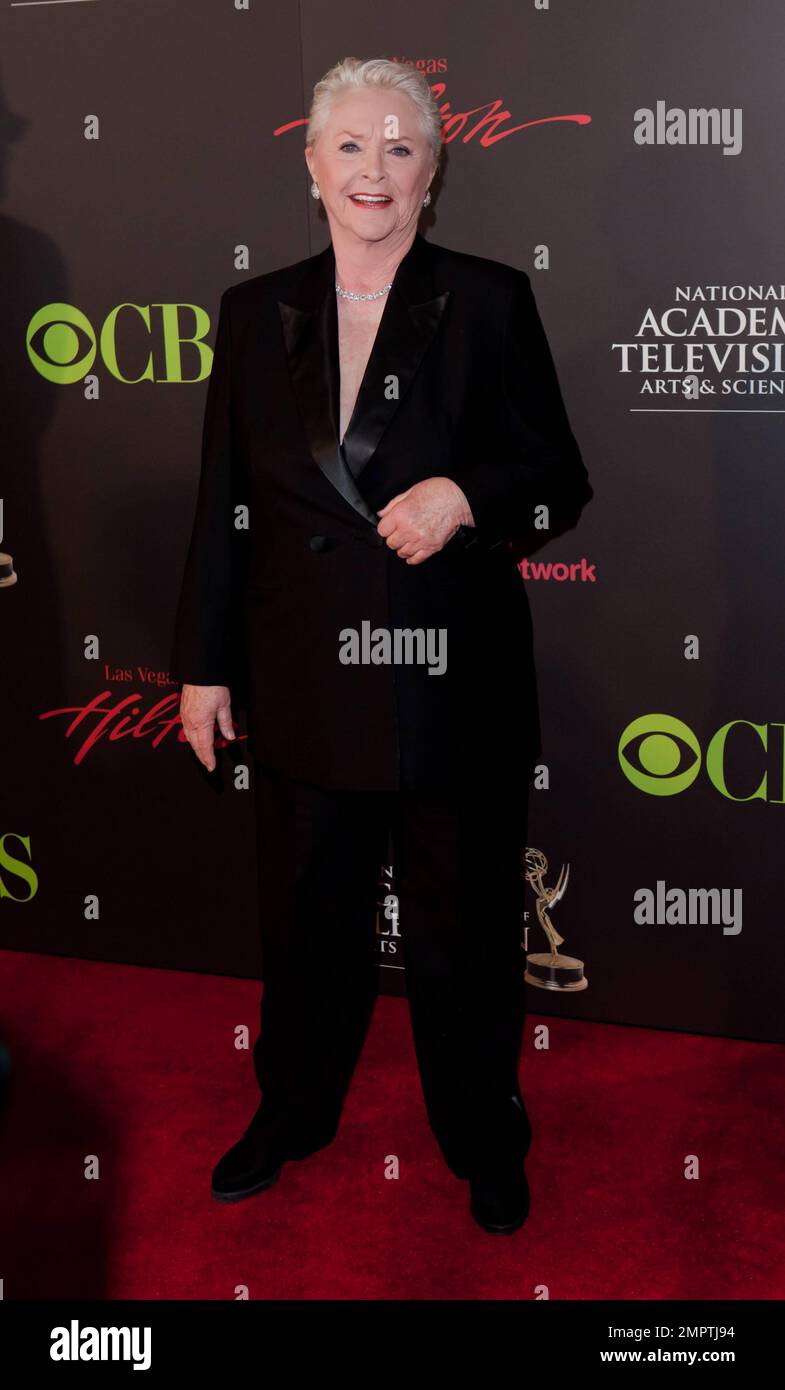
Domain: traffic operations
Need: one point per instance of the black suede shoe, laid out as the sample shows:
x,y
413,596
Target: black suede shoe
x,y
255,1161
499,1195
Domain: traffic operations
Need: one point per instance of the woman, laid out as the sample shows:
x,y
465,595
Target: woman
x,y
383,424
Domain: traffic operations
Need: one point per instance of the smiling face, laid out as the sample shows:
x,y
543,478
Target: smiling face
x,y
373,164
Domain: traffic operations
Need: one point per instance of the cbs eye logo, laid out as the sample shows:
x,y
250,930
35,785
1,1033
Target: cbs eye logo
x,y
66,345
659,754
62,343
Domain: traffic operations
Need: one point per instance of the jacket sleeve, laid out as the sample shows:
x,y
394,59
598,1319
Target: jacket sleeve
x,y
207,640
544,465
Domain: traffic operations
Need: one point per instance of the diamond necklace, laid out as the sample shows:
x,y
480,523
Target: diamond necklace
x,y
373,294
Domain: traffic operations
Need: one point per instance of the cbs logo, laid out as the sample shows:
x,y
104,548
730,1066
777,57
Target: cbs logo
x,y
661,755
62,343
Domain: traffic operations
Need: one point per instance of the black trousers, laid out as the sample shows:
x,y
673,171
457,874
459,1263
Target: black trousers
x,y
458,881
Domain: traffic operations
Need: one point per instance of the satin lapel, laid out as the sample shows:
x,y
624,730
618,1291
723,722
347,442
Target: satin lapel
x,y
410,319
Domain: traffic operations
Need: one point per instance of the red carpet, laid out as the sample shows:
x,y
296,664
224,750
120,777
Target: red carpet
x,y
138,1067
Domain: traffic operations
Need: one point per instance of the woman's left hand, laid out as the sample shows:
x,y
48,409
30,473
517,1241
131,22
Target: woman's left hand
x,y
419,522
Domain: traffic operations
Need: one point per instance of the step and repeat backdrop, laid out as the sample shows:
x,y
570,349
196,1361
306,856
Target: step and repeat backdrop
x,y
628,156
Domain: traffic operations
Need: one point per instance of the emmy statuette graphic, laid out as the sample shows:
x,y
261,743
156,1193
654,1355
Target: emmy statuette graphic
x,y
8,574
554,971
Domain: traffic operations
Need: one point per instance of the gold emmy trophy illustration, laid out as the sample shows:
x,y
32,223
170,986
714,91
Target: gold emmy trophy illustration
x,y
552,971
8,574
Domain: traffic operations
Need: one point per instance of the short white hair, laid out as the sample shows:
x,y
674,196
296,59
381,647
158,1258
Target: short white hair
x,y
352,73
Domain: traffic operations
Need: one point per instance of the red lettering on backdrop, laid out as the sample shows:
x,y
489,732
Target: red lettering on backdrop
x,y
453,123
116,721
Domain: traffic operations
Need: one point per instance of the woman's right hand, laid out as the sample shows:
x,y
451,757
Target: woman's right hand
x,y
200,707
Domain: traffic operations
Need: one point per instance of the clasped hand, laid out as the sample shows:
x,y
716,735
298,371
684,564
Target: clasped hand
x,y
419,522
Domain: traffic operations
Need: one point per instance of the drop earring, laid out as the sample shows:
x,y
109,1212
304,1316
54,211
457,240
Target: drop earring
x,y
426,200
315,189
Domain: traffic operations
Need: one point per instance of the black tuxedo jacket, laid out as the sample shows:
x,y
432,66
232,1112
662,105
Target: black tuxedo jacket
x,y
285,557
